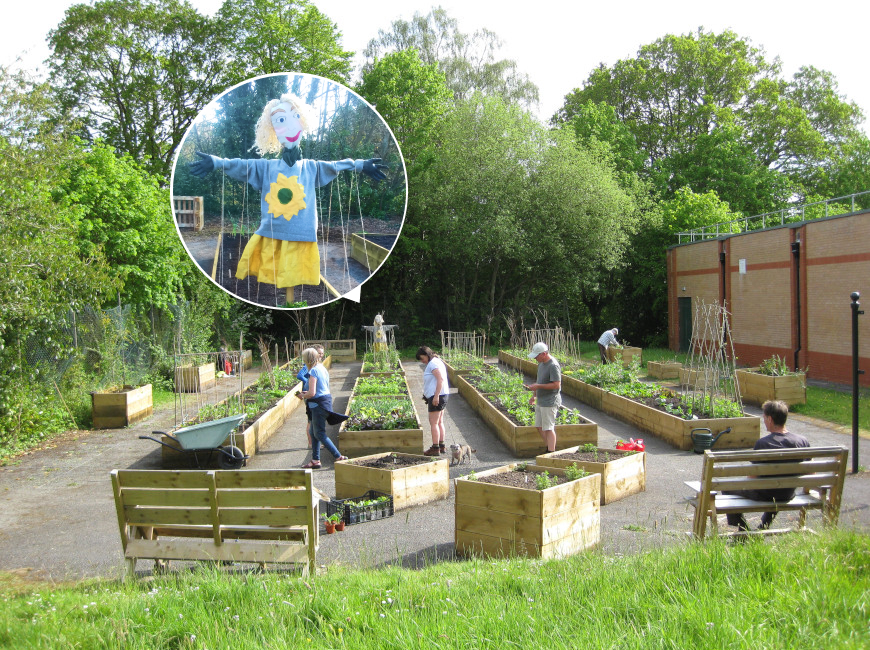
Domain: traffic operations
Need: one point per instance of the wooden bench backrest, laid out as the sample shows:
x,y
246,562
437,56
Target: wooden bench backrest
x,y
217,498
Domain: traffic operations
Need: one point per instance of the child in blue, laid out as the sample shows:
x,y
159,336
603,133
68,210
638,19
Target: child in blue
x,y
302,376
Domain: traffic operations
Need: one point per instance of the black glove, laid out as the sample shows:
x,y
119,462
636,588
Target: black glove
x,y
372,168
202,167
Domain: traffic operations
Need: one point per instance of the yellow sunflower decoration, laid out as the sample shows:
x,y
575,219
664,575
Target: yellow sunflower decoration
x,y
286,197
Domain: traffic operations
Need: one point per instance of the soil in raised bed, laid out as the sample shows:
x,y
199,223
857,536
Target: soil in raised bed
x,y
590,456
391,462
519,479
384,241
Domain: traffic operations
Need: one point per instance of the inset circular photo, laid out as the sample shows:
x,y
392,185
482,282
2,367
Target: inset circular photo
x,y
289,191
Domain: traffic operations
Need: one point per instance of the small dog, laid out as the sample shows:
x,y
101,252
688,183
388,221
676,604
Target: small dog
x,y
460,453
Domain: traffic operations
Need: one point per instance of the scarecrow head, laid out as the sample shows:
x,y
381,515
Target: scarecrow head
x,y
282,124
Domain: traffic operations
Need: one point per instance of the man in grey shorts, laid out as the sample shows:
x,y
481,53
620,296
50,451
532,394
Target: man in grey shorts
x,y
546,391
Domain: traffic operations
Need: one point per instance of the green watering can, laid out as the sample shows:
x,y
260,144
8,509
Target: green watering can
x,y
703,438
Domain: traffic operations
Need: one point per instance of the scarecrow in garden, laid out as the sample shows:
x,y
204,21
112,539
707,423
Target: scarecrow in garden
x,y
284,250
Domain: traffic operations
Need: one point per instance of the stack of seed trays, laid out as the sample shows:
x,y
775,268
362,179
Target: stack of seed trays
x,y
371,506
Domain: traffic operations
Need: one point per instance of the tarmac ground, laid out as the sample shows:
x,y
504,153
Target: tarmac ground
x,y
58,521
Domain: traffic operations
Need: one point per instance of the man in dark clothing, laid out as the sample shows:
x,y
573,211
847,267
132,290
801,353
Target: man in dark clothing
x,y
774,414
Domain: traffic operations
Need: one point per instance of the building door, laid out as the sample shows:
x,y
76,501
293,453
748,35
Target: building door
x,y
684,307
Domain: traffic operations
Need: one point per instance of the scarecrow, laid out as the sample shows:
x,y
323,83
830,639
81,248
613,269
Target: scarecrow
x,y
284,250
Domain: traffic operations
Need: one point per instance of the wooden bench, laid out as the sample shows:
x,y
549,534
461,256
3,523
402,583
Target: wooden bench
x,y
260,516
819,471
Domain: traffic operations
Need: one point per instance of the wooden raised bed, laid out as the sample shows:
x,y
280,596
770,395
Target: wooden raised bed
x,y
664,369
695,378
620,477
499,520
375,441
524,441
121,408
676,431
366,252
756,388
626,355
339,349
194,379
523,365
409,486
400,370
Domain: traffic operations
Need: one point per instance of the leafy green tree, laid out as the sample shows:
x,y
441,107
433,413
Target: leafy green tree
x,y
412,97
122,214
467,60
683,97
269,36
45,274
137,71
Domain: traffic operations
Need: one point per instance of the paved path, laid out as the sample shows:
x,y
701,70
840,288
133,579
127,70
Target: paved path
x,y
58,522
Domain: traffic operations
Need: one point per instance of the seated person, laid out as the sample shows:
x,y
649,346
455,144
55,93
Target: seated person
x,y
774,414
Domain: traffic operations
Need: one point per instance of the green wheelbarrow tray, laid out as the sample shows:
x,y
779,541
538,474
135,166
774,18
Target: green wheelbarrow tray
x,y
208,436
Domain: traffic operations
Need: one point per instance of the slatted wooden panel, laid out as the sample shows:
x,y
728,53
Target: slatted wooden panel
x,y
195,515
188,211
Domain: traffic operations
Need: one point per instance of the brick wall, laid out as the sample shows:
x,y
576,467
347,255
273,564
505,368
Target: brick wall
x,y
781,303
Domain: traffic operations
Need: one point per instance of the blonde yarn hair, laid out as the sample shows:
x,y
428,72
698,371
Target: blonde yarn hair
x,y
265,140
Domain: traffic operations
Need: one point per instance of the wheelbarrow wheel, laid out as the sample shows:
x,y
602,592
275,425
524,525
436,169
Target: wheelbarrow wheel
x,y
231,458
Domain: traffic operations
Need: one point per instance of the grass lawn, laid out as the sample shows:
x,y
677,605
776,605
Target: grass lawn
x,y
793,592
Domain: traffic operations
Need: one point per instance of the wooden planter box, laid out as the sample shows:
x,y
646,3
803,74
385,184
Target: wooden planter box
x,y
625,355
400,370
620,477
194,379
367,253
341,349
452,373
756,388
524,441
695,378
409,486
376,441
586,393
121,408
497,520
664,369
526,366
676,431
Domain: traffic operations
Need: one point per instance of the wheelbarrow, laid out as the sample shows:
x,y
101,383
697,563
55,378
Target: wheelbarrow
x,y
208,436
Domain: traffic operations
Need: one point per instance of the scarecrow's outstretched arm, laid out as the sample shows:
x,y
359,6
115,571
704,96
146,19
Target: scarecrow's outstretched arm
x,y
372,168
202,167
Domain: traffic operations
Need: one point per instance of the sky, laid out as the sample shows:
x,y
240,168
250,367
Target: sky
x,y
557,44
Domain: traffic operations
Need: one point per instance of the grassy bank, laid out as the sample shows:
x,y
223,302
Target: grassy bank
x,y
795,592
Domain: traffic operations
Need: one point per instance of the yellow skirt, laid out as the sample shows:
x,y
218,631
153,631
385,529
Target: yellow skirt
x,y
278,262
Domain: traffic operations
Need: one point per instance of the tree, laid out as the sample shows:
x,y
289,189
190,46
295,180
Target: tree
x,y
467,60
269,36
411,96
137,71
122,214
44,273
680,90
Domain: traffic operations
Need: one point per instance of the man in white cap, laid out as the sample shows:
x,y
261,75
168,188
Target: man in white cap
x,y
607,339
546,390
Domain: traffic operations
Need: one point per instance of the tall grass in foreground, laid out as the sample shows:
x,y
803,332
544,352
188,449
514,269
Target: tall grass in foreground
x,y
795,592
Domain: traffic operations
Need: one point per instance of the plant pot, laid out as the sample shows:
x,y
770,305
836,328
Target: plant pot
x,y
340,526
330,527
